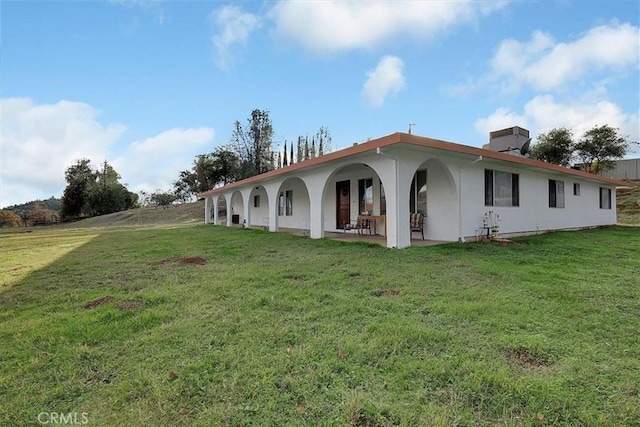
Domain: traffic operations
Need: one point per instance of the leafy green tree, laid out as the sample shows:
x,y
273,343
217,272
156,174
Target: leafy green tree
x,y
599,146
107,195
555,146
162,199
253,144
208,170
94,192
9,219
74,199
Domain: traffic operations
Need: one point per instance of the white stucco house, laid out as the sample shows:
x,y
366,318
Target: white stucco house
x,y
458,188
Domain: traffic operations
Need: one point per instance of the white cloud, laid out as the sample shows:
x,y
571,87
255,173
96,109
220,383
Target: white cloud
x,y
336,25
544,113
40,141
502,118
385,80
233,27
544,64
155,162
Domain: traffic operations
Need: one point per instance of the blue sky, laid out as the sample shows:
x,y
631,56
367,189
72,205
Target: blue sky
x,y
147,85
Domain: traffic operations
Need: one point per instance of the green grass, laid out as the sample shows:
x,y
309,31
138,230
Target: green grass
x,y
279,330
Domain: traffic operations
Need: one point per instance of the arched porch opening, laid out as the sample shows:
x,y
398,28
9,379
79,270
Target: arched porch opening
x,y
221,217
237,208
258,207
293,207
433,193
352,190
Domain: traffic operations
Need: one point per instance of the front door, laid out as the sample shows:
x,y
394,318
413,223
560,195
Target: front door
x,y
343,203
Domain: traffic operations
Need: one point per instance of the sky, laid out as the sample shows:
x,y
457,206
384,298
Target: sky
x,y
148,85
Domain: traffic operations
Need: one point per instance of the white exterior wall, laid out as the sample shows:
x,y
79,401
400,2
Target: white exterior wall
x,y
534,214
455,196
301,211
259,217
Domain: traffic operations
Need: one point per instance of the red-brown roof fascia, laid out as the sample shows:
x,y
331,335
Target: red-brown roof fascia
x,y
421,141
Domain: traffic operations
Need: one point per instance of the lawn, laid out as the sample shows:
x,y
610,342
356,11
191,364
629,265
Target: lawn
x,y
199,325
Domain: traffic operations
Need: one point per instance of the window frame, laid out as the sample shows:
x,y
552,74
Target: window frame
x,y
605,191
491,188
365,188
256,201
281,203
288,203
556,194
576,188
415,204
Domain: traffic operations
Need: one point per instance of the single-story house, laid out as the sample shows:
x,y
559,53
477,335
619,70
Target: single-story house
x,y
462,191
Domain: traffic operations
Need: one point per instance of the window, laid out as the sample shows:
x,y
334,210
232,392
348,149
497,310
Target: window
x,y
576,189
383,200
501,188
418,194
556,194
281,204
256,201
365,196
289,202
605,198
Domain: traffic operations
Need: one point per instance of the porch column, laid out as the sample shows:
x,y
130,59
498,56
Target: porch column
x,y
315,188
214,201
396,177
272,194
246,195
227,198
207,210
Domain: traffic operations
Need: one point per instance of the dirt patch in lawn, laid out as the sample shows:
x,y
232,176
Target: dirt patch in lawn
x,y
196,260
386,293
528,359
130,305
100,301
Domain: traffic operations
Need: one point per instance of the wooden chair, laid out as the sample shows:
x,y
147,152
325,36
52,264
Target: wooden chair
x,y
416,222
360,224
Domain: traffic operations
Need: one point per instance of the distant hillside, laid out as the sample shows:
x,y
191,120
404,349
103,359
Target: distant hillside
x,y
628,201
175,214
22,210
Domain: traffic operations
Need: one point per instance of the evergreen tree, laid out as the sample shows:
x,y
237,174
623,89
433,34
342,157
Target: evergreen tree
x,y
291,157
285,154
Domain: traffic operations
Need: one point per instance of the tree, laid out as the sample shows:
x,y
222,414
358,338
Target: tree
x,y
599,147
285,163
9,219
74,198
106,194
324,140
555,146
39,215
300,153
90,193
253,144
208,170
162,198
291,158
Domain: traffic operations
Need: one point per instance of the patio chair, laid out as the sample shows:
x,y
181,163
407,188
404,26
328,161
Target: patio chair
x,y
416,222
360,224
